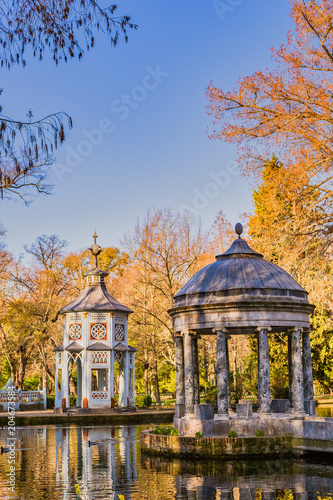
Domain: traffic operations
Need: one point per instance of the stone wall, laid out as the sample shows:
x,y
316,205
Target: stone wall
x,y
284,435
221,447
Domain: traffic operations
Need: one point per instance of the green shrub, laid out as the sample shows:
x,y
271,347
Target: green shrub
x,y
232,434
116,399
50,401
148,400
210,396
143,400
259,433
31,383
167,403
165,431
199,434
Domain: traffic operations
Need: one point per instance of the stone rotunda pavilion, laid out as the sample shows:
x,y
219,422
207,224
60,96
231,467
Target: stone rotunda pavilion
x,y
240,294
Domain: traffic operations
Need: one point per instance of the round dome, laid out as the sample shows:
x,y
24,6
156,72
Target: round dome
x,y
241,268
240,290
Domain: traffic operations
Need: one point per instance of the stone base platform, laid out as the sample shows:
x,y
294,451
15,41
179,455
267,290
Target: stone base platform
x,y
215,447
257,435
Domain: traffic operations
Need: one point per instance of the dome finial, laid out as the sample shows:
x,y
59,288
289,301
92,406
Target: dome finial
x,y
239,229
95,249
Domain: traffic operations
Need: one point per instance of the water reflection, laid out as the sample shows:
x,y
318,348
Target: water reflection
x,y
104,462
247,480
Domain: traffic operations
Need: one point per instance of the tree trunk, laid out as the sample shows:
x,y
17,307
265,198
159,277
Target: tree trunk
x,y
22,366
46,370
146,372
156,384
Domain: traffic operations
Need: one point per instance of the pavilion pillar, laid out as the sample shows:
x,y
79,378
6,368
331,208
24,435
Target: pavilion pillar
x,y
221,372
65,393
189,373
258,374
307,366
196,371
297,372
290,376
264,383
180,385
228,372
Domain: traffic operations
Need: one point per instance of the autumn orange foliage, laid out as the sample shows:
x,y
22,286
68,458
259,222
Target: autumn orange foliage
x,y
287,112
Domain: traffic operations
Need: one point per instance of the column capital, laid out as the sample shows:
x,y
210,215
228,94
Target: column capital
x,y
188,332
221,329
260,328
177,334
296,329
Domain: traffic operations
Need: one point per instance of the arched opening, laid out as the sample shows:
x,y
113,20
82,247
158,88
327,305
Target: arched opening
x,y
119,378
75,377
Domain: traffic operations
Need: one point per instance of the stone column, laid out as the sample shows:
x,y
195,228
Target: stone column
x,y
297,372
258,374
226,494
180,385
221,372
180,388
267,495
264,382
189,373
290,376
307,366
228,372
196,371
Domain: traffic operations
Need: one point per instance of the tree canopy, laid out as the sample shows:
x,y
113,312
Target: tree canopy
x,y
288,111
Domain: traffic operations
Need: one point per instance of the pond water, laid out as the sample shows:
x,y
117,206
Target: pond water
x,y
74,462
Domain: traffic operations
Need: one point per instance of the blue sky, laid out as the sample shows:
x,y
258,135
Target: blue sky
x,y
140,123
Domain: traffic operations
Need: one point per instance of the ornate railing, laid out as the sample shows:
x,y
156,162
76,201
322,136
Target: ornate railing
x,y
11,394
100,395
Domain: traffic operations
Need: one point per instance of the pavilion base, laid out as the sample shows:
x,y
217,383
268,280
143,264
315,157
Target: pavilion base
x,y
277,425
220,416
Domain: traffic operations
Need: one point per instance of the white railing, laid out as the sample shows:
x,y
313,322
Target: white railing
x,y
100,395
22,397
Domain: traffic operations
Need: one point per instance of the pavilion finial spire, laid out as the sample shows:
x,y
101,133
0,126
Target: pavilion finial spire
x,y
95,249
239,229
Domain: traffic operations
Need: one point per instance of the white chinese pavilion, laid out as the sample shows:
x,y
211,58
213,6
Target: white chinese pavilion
x,y
95,338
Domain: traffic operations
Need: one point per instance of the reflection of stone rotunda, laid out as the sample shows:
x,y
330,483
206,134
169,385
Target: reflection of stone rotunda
x,y
242,294
95,339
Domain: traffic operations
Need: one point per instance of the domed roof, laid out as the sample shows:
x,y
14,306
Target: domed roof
x,y
241,268
241,291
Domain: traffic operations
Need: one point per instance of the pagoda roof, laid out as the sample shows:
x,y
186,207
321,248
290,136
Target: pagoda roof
x,y
95,298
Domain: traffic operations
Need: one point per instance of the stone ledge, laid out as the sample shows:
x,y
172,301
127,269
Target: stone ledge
x,y
303,446
221,447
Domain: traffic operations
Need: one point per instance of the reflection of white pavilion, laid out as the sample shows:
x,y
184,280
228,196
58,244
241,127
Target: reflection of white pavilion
x,y
95,338
104,461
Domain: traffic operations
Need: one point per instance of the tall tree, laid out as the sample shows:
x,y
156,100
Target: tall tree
x,y
281,205
165,250
288,111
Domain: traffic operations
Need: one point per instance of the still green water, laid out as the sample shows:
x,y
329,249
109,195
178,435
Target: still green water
x,y
74,462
